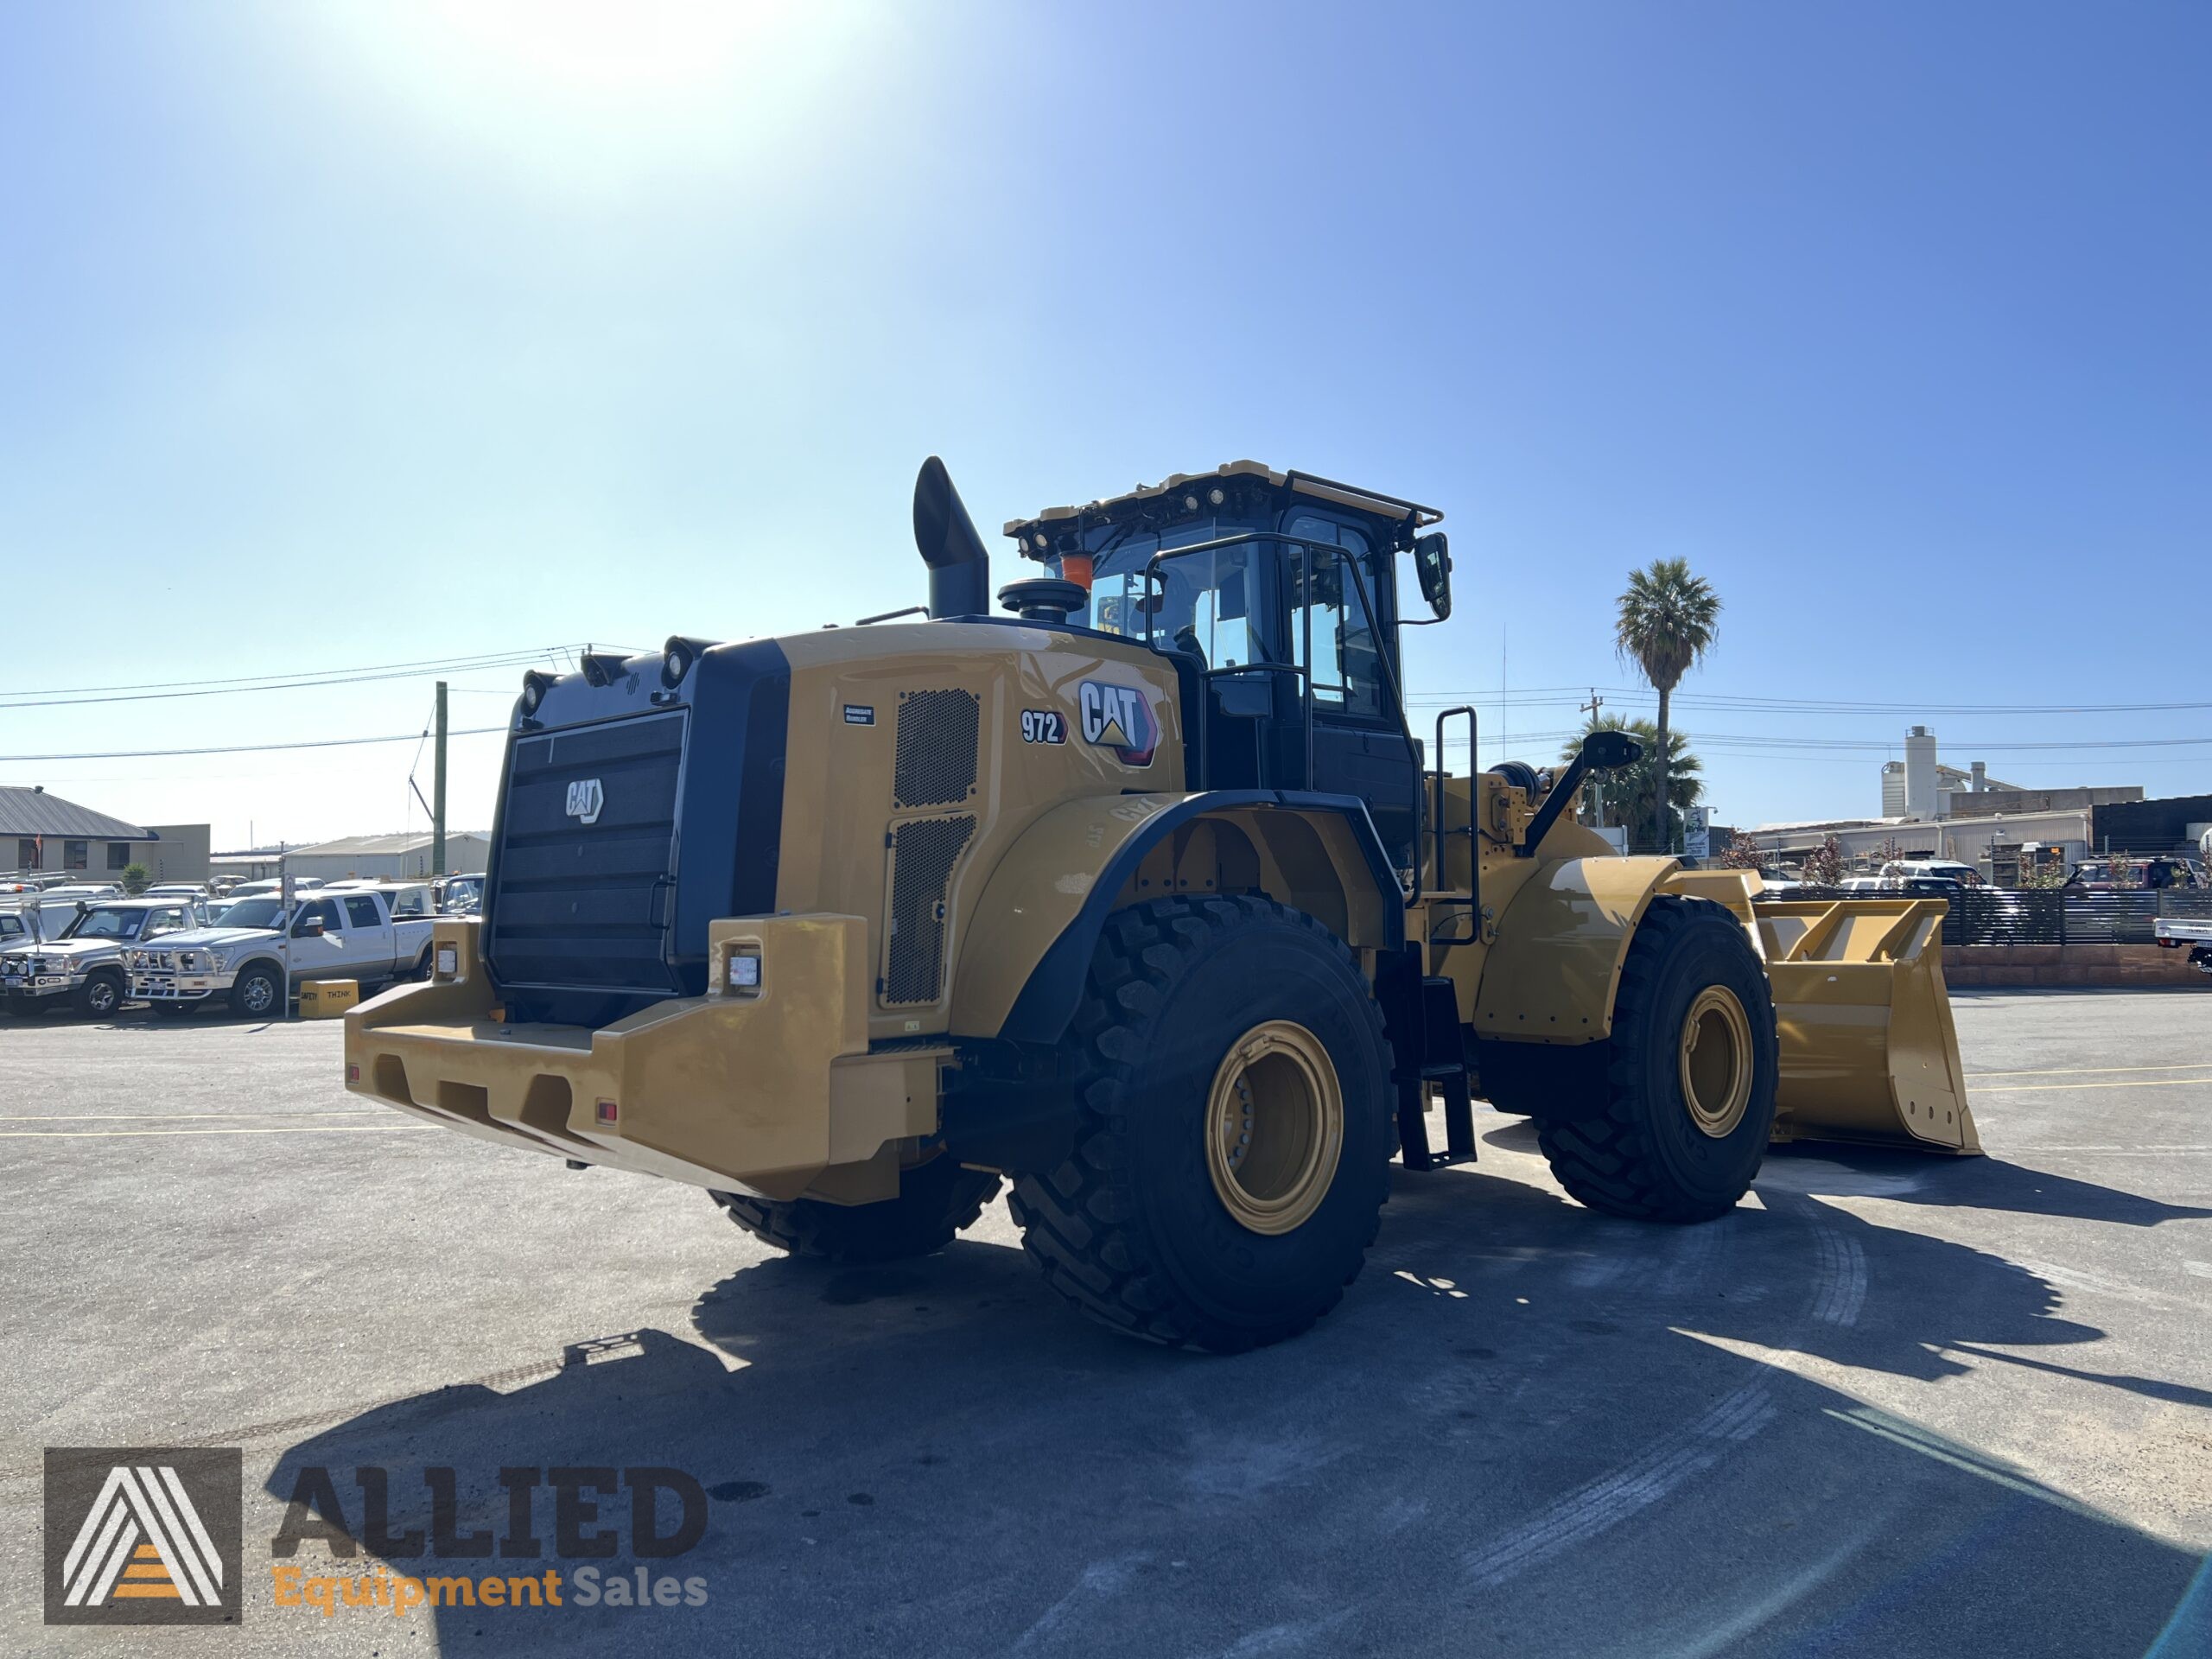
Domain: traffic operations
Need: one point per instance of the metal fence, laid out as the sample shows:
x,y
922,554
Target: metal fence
x,y
2050,915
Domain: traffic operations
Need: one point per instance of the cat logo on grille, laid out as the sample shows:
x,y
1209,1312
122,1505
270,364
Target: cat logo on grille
x,y
586,798
1120,718
131,1536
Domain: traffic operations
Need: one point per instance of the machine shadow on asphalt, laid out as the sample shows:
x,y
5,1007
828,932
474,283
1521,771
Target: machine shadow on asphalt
x,y
1835,1170
935,1451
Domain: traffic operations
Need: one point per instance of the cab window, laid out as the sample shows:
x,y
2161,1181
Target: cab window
x,y
323,909
1347,666
363,912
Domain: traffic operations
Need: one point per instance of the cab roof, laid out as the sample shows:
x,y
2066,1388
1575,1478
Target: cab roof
x,y
1054,524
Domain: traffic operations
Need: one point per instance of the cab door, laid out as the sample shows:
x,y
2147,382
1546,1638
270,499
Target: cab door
x,y
318,945
1360,744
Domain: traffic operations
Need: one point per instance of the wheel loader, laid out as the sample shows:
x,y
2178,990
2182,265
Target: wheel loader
x,y
1143,893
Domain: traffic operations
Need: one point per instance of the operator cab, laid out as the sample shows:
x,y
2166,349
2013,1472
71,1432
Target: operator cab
x,y
1276,595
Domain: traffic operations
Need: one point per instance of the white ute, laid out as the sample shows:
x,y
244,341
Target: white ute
x,y
250,956
2176,931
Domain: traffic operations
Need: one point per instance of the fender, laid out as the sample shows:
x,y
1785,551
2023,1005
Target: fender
x,y
256,956
1551,974
1037,923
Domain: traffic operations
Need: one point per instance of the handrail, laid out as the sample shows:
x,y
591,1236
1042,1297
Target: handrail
x,y
1474,829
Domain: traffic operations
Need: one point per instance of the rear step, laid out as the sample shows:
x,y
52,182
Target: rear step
x,y
1425,1041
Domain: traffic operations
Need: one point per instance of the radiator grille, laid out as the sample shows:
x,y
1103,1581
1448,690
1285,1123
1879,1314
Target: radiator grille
x,y
923,853
589,904
936,761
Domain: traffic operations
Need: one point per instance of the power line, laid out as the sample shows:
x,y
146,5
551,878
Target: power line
x,y
246,748
216,688
1729,703
163,685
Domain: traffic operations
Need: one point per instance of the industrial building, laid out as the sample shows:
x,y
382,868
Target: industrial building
x,y
401,855
43,833
1932,811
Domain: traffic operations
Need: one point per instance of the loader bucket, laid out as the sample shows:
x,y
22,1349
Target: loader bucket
x,y
1868,1051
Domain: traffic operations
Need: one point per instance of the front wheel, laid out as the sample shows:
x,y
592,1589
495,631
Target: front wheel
x,y
259,993
935,1201
1234,1128
1689,1076
101,997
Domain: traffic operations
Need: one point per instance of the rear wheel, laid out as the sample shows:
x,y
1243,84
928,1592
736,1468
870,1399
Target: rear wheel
x,y
935,1201
1234,1128
1689,1077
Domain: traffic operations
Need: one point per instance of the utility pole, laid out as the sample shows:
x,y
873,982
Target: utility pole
x,y
438,793
1597,784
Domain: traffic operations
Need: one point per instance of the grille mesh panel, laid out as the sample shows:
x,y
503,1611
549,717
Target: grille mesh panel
x,y
923,853
936,761
588,904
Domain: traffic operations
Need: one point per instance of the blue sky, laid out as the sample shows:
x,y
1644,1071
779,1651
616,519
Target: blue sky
x,y
333,336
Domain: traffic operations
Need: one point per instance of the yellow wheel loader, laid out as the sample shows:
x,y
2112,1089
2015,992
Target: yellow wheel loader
x,y
1142,893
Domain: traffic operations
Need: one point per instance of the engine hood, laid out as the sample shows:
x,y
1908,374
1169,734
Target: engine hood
x,y
203,938
66,948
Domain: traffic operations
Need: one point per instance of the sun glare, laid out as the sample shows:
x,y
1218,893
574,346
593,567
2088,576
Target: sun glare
x,y
599,49
584,94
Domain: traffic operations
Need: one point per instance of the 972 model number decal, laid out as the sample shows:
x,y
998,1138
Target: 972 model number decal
x,y
1043,726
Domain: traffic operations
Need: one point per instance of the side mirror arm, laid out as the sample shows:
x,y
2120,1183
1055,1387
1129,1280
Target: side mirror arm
x,y
1595,756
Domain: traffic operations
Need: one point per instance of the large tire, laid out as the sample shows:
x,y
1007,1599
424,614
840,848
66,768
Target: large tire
x,y
935,1201
1674,1143
1188,1004
258,994
101,995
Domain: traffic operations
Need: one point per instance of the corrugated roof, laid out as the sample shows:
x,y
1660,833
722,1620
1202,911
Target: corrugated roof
x,y
364,845
34,812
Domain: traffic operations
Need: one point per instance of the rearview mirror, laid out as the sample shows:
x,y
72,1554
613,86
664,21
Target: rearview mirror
x,y
1433,564
1611,751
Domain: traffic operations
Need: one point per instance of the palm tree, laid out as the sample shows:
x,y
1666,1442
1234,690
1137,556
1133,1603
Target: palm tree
x,y
1632,793
1667,620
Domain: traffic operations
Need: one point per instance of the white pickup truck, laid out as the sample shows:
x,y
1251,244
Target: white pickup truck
x,y
258,953
2196,932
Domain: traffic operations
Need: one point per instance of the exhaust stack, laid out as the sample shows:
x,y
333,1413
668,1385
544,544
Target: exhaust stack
x,y
960,567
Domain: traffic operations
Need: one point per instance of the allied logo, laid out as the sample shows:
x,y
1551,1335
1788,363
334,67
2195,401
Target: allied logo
x,y
586,798
143,1534
1120,718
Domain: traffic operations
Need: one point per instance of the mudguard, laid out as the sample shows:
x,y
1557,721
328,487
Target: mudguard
x,y
1037,923
1551,974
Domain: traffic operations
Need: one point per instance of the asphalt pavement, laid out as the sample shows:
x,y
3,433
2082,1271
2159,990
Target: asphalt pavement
x,y
1893,1406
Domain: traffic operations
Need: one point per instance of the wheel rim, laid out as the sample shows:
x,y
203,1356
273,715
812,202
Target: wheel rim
x,y
256,996
1716,1061
1274,1128
103,997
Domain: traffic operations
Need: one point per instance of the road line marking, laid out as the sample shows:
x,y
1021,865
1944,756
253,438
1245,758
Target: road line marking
x,y
75,1117
119,1134
2117,1152
2140,1083
2091,1070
